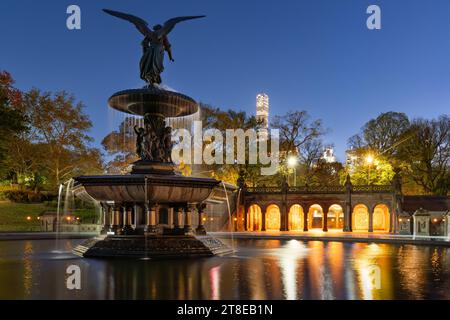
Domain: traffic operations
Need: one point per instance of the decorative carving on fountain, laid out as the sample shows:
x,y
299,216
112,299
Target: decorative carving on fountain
x,y
154,141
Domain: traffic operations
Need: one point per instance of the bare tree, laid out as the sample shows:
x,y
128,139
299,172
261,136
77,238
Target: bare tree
x,y
296,130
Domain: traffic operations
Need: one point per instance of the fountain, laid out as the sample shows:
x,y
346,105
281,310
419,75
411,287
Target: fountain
x,y
148,213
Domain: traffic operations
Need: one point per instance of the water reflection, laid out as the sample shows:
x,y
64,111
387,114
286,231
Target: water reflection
x,y
261,270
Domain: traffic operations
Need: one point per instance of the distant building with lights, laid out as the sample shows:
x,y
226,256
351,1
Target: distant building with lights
x,y
351,159
262,109
328,155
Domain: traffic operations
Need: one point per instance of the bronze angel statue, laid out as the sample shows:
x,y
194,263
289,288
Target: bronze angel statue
x,y
154,45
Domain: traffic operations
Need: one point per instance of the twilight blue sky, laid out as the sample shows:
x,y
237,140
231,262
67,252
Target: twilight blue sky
x,y
314,55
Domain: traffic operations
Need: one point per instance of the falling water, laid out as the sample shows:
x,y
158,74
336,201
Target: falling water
x,y
69,198
230,222
145,214
60,191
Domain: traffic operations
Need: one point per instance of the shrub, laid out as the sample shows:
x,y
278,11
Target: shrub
x,y
22,196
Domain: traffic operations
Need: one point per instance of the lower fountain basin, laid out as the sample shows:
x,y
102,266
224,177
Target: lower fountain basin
x,y
153,247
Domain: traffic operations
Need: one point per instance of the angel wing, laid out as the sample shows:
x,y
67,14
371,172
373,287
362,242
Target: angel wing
x,y
139,23
170,24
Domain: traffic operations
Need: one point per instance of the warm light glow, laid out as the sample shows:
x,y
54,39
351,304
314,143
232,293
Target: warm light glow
x,y
204,219
369,159
435,220
78,218
400,220
28,218
235,219
273,217
292,161
68,218
39,218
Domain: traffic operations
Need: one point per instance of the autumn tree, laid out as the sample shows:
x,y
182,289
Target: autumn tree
x,y
12,120
121,147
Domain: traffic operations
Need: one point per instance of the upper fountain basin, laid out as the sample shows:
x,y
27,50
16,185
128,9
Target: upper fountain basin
x,y
152,100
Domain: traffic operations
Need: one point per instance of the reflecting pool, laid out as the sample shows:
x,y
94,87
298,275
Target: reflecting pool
x,y
261,269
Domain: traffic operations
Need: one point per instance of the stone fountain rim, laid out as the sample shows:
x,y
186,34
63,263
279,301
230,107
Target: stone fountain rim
x,y
152,179
150,91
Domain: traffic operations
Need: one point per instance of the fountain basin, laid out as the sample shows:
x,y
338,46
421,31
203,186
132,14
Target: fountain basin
x,y
152,100
160,188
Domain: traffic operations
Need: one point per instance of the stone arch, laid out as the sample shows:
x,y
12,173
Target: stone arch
x,y
254,218
273,218
360,218
381,218
295,218
335,217
315,217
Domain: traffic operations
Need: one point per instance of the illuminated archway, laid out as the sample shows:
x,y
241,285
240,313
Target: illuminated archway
x,y
360,218
296,218
254,218
381,218
273,218
315,217
335,217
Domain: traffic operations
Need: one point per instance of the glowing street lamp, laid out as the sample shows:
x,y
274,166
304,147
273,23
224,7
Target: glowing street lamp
x,y
292,163
369,160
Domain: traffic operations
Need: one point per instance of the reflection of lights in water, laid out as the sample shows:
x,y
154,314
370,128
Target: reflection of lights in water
x,y
369,270
28,267
214,280
294,250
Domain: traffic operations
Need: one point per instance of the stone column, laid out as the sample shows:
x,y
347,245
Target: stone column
x,y
170,213
188,219
127,220
348,205
305,220
245,218
117,221
263,218
284,215
150,218
348,217
178,214
325,221
371,221
139,220
201,215
106,219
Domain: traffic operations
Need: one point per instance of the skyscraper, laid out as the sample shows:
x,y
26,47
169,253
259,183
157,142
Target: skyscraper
x,y
262,109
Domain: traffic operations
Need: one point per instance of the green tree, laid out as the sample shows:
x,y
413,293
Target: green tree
x,y
382,135
59,124
427,154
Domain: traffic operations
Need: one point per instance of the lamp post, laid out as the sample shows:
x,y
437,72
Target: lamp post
x,y
292,163
369,161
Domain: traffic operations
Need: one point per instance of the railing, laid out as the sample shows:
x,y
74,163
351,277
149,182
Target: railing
x,y
372,189
264,190
322,189
317,189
